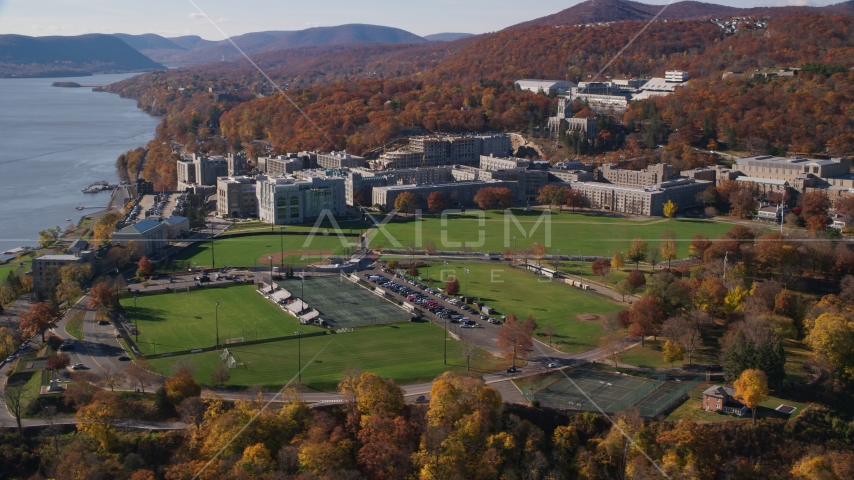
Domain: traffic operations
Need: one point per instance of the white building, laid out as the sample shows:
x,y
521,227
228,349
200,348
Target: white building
x,y
677,76
283,199
558,87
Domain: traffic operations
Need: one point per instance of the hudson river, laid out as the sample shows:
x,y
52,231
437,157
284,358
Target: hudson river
x,y
53,143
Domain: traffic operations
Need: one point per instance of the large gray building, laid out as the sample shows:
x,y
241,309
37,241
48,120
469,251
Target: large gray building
x,y
548,87
641,200
286,199
339,160
358,182
652,175
458,194
45,269
200,170
440,150
236,197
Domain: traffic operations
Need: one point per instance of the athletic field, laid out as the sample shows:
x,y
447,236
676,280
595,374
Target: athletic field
x,y
344,304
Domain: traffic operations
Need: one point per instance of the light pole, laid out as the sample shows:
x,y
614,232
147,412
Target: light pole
x,y
299,355
302,288
514,250
281,248
557,263
466,287
216,313
213,259
117,287
271,272
581,269
445,337
135,319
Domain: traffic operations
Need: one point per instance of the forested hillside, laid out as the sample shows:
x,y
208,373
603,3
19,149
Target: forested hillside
x,y
360,97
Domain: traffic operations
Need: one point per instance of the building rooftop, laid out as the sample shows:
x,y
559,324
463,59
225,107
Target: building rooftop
x,y
544,84
719,391
175,220
58,258
436,185
141,226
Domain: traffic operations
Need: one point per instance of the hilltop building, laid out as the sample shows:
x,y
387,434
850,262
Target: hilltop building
x,y
199,170
236,197
548,87
442,150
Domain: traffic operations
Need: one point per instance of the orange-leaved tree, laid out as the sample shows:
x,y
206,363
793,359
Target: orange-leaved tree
x,y
40,317
515,338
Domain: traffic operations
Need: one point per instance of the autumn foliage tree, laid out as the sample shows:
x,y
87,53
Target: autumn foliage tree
x,y
436,201
144,267
752,389
40,317
646,317
405,202
515,338
452,286
182,386
601,267
553,195
101,297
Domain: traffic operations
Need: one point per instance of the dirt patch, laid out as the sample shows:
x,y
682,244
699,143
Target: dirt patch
x,y
277,257
587,317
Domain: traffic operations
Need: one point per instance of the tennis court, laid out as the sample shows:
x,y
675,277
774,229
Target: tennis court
x,y
344,304
598,390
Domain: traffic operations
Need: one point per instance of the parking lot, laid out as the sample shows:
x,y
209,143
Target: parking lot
x,y
459,319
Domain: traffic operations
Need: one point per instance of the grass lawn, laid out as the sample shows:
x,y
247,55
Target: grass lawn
x,y
180,321
405,352
74,325
347,226
513,291
570,232
691,409
252,251
796,354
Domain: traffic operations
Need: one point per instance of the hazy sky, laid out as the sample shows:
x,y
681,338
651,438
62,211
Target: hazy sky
x,y
180,17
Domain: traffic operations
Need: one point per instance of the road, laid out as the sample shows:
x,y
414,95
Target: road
x,y
99,351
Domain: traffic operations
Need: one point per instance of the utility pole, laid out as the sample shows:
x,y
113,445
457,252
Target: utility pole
x,y
135,318
217,323
299,355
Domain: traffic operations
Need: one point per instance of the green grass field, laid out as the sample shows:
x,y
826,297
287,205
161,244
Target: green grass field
x,y
347,226
251,251
570,232
404,352
178,321
74,325
513,291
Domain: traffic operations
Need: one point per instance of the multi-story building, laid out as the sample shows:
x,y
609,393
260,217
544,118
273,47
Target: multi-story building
x,y
286,199
652,175
677,76
491,162
458,194
339,160
288,163
236,197
563,175
236,163
45,269
440,150
359,181
200,170
150,235
640,200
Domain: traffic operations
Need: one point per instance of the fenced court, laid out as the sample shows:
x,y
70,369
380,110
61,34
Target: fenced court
x,y
594,390
344,304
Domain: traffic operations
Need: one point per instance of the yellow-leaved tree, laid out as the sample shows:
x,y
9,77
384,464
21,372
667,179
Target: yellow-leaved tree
x,y
752,388
832,340
672,351
670,209
734,300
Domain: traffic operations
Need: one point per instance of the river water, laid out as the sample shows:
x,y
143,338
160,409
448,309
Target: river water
x,y
53,143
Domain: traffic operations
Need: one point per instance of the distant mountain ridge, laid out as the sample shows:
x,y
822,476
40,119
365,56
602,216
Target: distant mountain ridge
x,y
185,51
23,56
601,11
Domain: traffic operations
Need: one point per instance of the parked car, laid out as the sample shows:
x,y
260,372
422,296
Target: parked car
x,y
552,365
124,358
512,370
78,366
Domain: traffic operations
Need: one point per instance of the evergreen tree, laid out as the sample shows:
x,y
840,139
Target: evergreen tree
x,y
771,359
740,356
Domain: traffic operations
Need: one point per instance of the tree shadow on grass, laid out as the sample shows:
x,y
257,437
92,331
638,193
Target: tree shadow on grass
x,y
149,314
